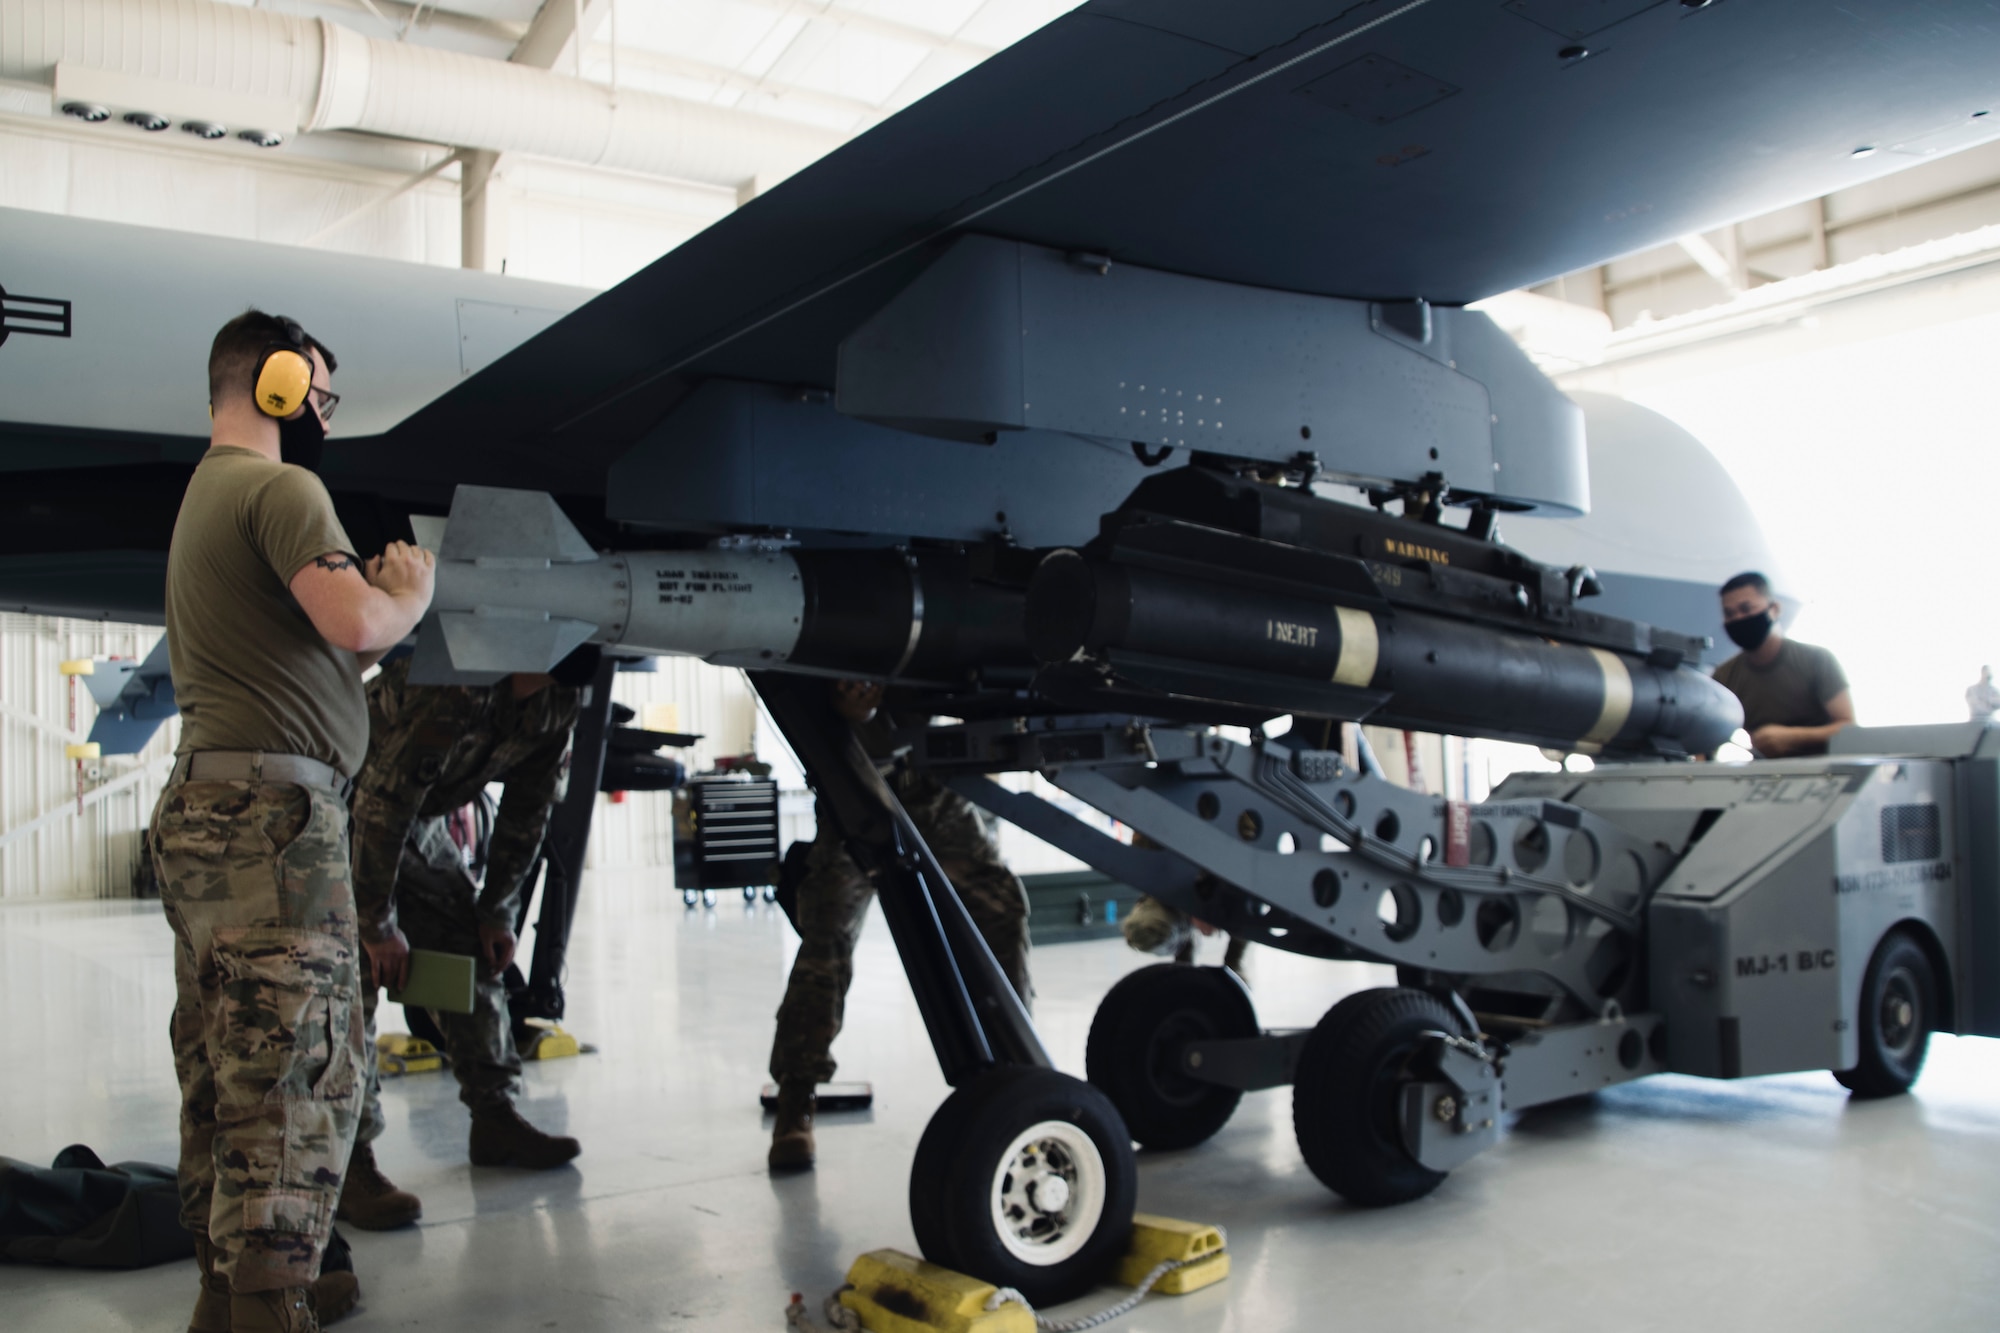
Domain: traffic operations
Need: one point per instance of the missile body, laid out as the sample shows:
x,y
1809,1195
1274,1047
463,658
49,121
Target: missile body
x,y
518,588
1209,586
1392,666
1351,615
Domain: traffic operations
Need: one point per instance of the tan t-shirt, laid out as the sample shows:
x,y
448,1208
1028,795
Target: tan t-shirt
x,y
250,671
1791,692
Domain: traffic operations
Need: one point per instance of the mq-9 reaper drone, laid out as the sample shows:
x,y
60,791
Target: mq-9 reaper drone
x,y
1573,932
1016,401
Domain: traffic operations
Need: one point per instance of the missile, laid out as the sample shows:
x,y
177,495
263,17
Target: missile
x,y
518,587
1204,594
1353,614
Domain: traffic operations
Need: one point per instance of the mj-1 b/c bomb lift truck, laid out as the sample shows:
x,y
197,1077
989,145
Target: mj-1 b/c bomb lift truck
x,y
1575,931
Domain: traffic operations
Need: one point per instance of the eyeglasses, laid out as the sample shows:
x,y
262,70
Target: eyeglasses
x,y
326,400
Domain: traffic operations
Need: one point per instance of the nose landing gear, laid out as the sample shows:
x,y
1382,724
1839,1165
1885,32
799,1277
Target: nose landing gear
x,y
1026,1178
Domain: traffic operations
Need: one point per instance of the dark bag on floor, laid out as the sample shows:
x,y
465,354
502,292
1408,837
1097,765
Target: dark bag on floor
x,y
84,1214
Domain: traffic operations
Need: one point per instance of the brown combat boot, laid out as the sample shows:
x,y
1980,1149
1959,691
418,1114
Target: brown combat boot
x,y
334,1295
501,1138
211,1308
792,1135
286,1310
369,1200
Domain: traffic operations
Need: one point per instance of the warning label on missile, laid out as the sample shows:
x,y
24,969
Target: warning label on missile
x,y
681,585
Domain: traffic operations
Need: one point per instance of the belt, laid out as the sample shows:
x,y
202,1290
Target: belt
x,y
257,766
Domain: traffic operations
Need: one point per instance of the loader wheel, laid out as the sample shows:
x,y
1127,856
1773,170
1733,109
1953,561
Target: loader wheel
x,y
1136,1045
1898,1009
1025,1178
1346,1102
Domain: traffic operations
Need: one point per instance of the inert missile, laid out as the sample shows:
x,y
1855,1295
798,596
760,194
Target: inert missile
x,y
1184,599
518,587
1359,615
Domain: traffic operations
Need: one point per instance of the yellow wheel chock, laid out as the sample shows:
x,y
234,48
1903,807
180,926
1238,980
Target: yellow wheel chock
x,y
892,1292
398,1053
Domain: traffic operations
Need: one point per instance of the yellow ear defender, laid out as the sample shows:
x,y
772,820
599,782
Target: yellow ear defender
x,y
284,374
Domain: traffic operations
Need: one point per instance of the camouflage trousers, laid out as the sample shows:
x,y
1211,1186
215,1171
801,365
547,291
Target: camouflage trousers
x,y
833,902
434,902
267,1028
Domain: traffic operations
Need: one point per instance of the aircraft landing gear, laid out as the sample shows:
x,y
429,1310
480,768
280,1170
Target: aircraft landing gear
x,y
1138,1050
1026,1178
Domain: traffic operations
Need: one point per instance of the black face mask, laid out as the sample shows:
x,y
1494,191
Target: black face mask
x,y
302,440
1750,632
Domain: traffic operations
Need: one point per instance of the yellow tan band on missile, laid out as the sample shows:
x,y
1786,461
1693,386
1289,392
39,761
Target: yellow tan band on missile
x,y
1617,701
1360,649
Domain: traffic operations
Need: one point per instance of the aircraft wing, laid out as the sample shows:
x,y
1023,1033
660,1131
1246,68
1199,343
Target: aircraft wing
x,y
1388,149
1444,149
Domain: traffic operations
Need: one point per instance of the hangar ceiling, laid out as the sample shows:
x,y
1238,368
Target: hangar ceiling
x,y
788,80
739,92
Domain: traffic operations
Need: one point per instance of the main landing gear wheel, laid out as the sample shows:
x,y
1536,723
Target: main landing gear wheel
x,y
1025,1178
1899,1008
1136,1050
1347,1099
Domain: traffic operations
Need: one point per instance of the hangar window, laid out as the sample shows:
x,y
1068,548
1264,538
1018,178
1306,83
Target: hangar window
x,y
1910,833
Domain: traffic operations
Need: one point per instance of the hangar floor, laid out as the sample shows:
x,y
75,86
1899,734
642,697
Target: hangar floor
x,y
1672,1204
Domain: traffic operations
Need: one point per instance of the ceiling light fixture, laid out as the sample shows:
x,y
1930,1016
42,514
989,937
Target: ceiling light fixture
x,y
86,111
206,129
262,138
146,121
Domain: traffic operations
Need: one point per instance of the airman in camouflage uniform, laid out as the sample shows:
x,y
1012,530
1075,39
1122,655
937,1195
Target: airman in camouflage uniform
x,y
432,750
833,902
271,618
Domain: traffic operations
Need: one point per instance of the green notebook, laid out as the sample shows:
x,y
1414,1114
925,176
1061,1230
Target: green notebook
x,y
437,981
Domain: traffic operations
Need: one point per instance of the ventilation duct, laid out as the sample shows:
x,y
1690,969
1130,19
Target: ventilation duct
x,y
258,69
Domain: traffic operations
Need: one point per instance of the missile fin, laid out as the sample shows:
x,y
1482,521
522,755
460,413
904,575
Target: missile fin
x,y
431,664
502,639
488,522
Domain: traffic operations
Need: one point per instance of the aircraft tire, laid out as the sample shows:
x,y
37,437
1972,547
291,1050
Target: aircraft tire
x,y
1136,1040
1347,1094
1899,1008
1025,1178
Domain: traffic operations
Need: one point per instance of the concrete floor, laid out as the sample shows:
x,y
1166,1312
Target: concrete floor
x,y
1670,1204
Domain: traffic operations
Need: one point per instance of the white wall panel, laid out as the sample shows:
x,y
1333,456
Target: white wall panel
x,y
47,849
34,172
123,177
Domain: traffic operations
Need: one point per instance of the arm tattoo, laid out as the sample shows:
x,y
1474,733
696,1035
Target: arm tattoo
x,y
335,562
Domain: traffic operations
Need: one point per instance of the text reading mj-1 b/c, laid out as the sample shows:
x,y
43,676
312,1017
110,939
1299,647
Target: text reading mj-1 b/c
x,y
1805,960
